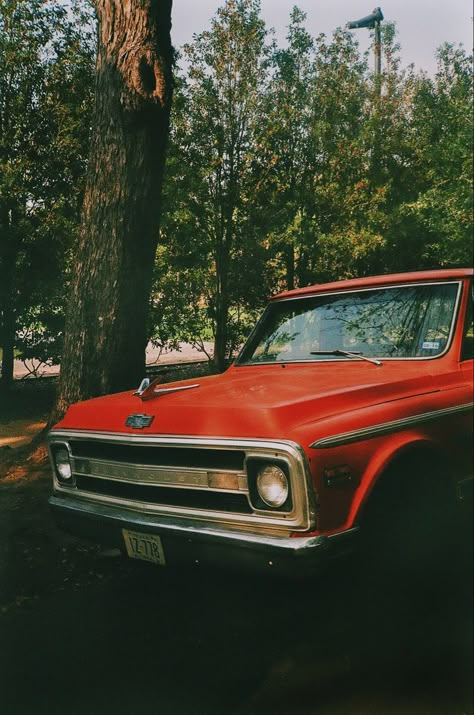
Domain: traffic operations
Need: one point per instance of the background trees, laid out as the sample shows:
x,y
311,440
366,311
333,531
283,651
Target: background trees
x,y
215,131
331,176
46,56
439,217
286,166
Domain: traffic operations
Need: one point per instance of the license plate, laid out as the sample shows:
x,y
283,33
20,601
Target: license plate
x,y
146,547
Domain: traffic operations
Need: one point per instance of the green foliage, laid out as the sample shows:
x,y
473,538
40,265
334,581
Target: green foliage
x,y
210,241
46,75
295,165
442,132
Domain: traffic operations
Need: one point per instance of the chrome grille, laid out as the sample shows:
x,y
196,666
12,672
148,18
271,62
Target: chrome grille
x,y
206,478
188,498
166,456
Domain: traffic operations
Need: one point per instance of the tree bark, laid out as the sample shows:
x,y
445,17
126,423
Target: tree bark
x,y
8,259
105,338
220,338
289,258
222,289
7,342
303,272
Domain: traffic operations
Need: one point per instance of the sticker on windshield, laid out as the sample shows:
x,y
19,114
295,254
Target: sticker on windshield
x,y
430,345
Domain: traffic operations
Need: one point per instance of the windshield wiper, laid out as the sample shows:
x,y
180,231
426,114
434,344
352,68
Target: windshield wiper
x,y
347,353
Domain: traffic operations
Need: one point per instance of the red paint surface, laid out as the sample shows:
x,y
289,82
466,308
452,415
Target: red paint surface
x,y
373,281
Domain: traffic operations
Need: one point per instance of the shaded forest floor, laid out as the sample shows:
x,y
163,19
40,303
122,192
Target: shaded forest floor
x,y
35,558
23,414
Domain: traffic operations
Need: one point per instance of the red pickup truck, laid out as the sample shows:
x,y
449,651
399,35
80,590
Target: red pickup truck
x,y
347,414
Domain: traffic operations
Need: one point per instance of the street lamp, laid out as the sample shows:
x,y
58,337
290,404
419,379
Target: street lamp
x,y
372,22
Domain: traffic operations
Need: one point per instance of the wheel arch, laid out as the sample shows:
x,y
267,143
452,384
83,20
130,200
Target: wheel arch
x,y
402,455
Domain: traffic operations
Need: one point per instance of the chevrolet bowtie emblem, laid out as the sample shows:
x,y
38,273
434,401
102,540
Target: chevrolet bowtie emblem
x,y
139,421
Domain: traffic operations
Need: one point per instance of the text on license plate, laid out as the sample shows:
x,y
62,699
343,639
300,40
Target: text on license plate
x,y
147,547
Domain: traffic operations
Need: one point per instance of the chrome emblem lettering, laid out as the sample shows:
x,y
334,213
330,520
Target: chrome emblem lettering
x,y
139,421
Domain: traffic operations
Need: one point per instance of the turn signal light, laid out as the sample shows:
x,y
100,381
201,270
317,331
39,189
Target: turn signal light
x,y
337,476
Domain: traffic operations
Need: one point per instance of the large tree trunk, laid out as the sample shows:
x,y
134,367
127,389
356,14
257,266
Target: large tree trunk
x,y
289,258
220,338
222,295
7,344
105,339
8,258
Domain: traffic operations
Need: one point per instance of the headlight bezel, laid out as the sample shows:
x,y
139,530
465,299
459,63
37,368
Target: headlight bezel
x,y
55,449
254,467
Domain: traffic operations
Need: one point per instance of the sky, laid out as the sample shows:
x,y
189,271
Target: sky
x,y
423,25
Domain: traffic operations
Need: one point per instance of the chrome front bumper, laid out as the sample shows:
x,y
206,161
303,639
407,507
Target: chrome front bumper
x,y
192,543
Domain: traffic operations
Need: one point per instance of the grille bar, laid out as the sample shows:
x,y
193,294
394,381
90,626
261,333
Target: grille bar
x,y
187,457
197,499
165,476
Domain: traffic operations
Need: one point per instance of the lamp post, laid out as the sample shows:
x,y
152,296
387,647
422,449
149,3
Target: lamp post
x,y
372,22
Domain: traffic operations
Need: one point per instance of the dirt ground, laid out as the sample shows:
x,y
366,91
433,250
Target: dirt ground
x,y
84,630
19,433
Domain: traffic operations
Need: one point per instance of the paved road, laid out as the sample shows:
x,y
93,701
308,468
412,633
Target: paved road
x,y
153,357
84,633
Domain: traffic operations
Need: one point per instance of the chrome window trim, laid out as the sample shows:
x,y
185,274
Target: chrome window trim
x,y
383,428
363,290
301,517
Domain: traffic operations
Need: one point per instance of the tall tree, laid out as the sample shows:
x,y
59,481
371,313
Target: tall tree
x,y
104,347
46,62
318,103
286,158
215,137
434,223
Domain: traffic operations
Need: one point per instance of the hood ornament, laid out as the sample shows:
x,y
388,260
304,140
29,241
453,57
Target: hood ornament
x,y
148,389
144,385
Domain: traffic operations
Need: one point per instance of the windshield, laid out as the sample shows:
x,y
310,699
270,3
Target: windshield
x,y
399,322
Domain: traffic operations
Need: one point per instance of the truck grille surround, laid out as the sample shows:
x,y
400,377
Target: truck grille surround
x,y
203,479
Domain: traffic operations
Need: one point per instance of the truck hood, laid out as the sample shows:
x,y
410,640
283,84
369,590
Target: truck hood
x,y
266,401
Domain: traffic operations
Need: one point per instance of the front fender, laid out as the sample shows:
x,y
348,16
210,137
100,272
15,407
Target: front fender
x,y
399,448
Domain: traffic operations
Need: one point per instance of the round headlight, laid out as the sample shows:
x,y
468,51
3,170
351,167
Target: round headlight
x,y
272,485
63,465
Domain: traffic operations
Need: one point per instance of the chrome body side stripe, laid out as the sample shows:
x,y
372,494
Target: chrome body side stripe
x,y
359,435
